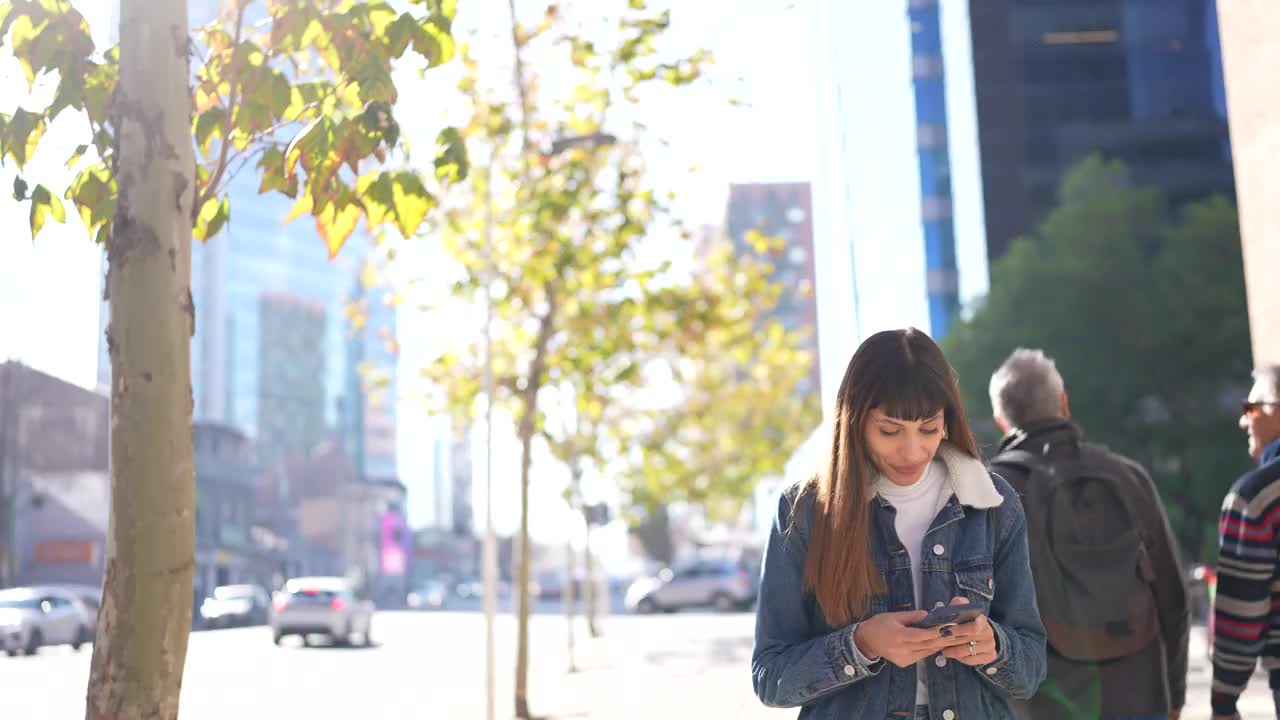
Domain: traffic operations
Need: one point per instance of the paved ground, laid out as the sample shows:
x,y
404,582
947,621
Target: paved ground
x,y
430,665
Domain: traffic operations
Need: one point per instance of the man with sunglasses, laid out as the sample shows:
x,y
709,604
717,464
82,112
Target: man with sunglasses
x,y
1246,604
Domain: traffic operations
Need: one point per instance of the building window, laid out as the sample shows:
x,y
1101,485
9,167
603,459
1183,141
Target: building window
x,y
931,136
926,66
935,208
1081,37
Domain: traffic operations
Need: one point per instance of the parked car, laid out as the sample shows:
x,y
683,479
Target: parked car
x,y
321,606
430,596
722,584
36,617
235,606
1203,584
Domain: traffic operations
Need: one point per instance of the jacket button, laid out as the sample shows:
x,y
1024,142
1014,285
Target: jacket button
x,y
938,550
940,661
992,671
948,714
850,670
991,583
939,604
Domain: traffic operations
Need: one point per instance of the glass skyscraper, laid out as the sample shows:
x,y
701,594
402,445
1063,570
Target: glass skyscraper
x,y
1136,80
273,354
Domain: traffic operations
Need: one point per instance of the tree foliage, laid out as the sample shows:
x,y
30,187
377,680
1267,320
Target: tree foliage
x,y
1143,309
558,226
298,90
741,409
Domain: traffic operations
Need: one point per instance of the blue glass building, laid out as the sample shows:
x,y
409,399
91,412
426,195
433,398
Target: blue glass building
x,y
929,85
1136,80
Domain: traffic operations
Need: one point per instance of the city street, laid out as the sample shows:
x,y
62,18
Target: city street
x,y
430,665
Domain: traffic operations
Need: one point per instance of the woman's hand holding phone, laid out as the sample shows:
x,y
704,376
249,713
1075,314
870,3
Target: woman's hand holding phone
x,y
976,640
892,636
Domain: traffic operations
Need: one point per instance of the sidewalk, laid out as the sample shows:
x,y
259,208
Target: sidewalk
x,y
677,672
687,667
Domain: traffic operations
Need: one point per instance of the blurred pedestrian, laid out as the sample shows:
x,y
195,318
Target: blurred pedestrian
x,y
1108,580
1246,606
904,518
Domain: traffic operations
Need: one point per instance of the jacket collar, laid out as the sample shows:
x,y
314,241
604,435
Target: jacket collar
x,y
969,479
1270,452
1034,435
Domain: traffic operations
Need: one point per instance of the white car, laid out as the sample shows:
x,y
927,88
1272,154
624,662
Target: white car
x,y
321,606
431,596
36,617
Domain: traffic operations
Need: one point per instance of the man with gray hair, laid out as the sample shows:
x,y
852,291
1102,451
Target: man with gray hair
x,y
1246,603
1108,580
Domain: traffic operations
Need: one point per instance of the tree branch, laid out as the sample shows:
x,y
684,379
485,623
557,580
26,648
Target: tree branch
x,y
211,190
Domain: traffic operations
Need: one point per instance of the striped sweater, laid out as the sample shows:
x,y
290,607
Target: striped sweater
x,y
1246,607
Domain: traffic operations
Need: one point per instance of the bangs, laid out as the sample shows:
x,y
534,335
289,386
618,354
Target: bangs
x,y
909,393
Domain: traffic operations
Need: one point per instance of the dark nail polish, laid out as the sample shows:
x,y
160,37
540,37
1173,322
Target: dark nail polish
x,y
945,632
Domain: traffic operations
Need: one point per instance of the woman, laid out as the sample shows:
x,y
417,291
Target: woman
x,y
905,518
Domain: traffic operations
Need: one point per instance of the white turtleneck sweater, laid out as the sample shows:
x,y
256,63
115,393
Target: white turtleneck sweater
x,y
916,506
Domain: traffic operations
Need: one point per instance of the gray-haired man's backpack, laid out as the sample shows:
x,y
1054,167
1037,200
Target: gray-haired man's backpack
x,y
1092,573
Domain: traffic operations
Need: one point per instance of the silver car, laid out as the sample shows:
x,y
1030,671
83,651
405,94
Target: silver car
x,y
722,584
321,606
36,617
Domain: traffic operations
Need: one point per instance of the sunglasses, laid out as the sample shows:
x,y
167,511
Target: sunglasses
x,y
1253,408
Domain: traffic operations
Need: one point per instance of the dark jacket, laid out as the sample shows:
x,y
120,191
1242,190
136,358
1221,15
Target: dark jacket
x,y
1248,532
1153,680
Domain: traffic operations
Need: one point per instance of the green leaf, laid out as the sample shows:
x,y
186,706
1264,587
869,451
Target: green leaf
x,y
281,99
434,43
99,86
93,192
411,201
373,75
44,204
70,94
22,135
19,188
401,33
23,34
210,124
451,160
307,146
76,155
377,194
273,176
212,217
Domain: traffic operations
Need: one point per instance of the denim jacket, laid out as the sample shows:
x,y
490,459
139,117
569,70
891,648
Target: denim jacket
x,y
976,547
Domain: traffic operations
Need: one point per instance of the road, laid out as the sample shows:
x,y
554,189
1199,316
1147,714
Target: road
x,y
430,665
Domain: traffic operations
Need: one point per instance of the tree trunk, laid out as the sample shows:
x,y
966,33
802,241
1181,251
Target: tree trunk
x,y
528,425
592,598
589,594
141,642
522,570
570,600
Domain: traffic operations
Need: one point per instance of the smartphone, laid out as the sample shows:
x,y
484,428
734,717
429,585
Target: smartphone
x,y
951,615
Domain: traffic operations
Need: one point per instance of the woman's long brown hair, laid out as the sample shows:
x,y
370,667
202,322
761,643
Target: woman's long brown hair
x,y
905,374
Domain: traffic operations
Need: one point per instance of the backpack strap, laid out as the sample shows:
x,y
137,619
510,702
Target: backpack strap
x,y
1018,457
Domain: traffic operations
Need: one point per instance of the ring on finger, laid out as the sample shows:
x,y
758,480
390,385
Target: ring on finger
x,y
973,648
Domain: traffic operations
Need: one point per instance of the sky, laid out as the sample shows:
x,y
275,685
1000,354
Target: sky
x,y
765,57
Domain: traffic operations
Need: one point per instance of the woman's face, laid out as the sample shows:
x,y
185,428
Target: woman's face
x,y
902,449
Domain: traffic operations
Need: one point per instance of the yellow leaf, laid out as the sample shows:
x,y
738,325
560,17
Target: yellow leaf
x,y
336,225
302,206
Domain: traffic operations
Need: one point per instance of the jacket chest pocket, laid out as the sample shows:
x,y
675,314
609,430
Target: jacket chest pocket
x,y
977,583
